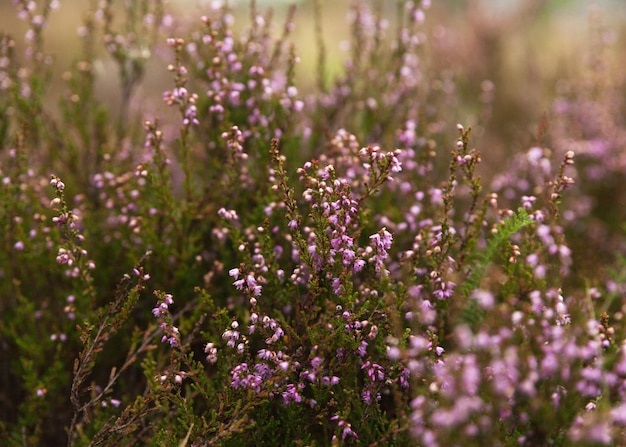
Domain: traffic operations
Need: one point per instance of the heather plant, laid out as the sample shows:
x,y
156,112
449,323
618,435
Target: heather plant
x,y
250,264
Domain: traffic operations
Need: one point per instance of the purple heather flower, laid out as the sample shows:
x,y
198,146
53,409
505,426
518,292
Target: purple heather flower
x,y
229,215
374,371
263,371
266,354
241,377
347,428
231,337
64,257
291,395
528,201
211,352
366,396
382,240
251,282
445,289
316,362
404,378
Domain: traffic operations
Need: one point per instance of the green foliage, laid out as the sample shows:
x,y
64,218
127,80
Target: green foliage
x,y
480,261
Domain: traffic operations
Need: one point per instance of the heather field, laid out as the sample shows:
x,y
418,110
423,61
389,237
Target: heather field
x,y
326,223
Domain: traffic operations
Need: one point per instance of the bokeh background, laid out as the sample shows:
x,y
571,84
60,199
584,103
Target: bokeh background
x,y
513,54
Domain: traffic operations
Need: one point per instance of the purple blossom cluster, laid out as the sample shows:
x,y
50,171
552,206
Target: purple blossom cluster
x,y
179,96
71,254
335,187
485,384
161,312
241,74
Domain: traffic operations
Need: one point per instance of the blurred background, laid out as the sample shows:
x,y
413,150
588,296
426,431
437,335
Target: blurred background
x,y
512,54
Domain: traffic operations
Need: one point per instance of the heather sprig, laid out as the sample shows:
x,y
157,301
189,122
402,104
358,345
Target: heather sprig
x,y
72,253
186,103
94,335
